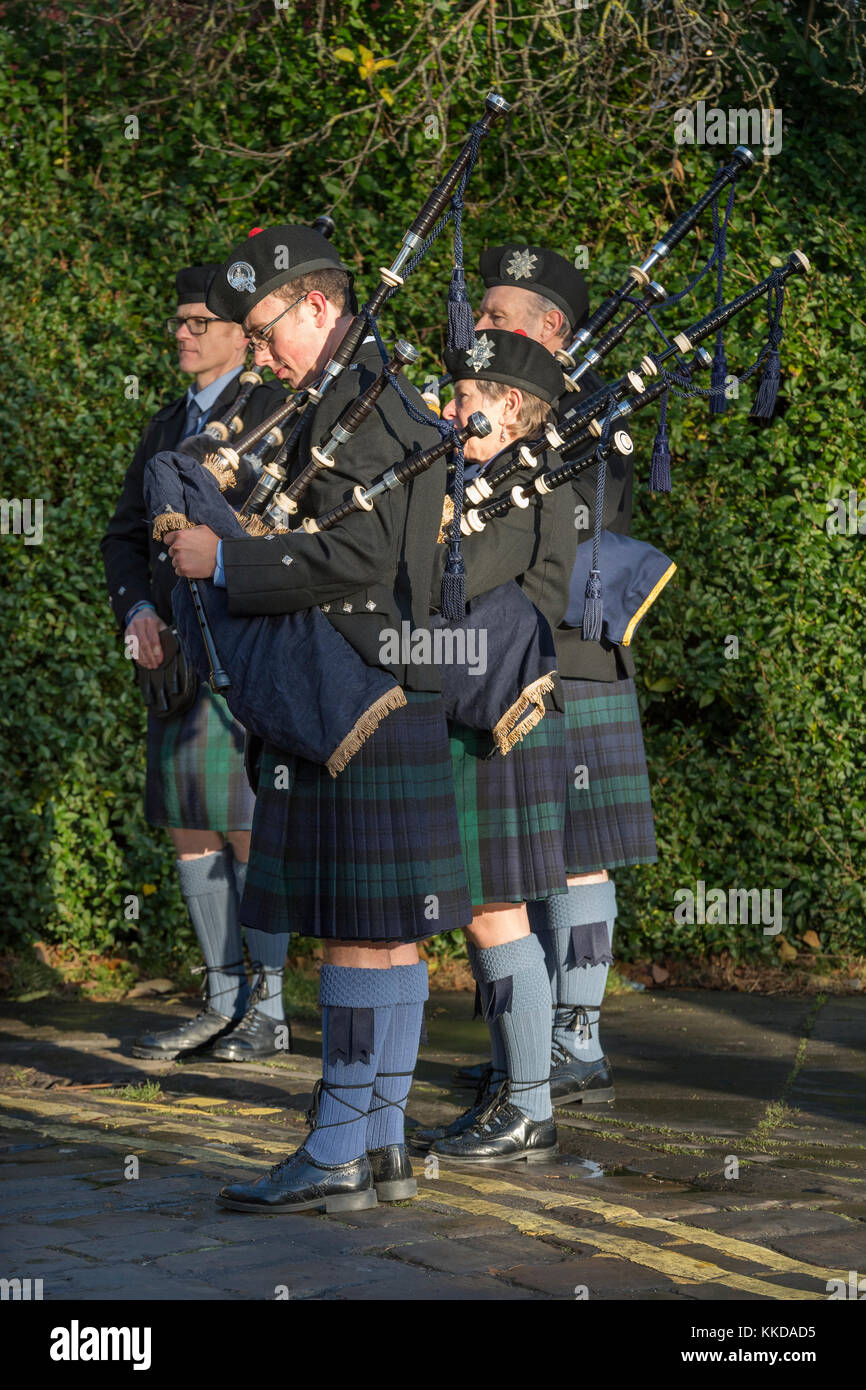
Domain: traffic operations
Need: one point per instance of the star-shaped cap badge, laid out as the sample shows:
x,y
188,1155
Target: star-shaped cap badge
x,y
481,355
521,265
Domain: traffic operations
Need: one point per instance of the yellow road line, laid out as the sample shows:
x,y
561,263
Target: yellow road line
x,y
199,1154
664,1259
681,1269
143,1107
630,1216
152,1124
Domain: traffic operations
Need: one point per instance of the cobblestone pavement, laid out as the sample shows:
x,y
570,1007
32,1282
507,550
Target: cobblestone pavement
x,y
732,1165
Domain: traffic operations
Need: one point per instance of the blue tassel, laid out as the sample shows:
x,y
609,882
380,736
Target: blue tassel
x,y
660,463
452,598
765,401
593,611
461,324
718,378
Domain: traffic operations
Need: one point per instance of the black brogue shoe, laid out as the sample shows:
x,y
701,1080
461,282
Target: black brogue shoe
x,y
192,1036
392,1173
299,1183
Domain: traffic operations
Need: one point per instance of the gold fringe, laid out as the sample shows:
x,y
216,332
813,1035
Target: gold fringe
x,y
170,521
254,526
366,725
519,719
447,521
219,469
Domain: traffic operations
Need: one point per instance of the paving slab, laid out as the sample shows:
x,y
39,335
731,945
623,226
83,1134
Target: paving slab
x,y
638,1206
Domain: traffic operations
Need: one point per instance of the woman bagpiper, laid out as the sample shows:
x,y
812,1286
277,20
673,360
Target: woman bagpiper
x,y
510,807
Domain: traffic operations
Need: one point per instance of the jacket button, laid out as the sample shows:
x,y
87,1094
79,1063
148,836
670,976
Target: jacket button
x,y
287,559
347,607
370,604
326,607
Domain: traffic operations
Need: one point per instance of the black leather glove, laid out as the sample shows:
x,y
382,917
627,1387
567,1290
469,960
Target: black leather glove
x,y
172,688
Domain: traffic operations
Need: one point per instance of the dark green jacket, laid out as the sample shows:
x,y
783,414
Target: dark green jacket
x,y
535,545
373,571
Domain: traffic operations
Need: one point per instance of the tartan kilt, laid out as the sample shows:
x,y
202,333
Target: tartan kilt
x,y
371,855
195,769
609,822
511,812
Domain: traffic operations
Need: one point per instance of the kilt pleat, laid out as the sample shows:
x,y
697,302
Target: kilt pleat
x,y
511,812
609,820
371,855
195,769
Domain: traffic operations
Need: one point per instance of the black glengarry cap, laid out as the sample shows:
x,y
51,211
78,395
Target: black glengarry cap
x,y
542,271
261,264
193,281
511,358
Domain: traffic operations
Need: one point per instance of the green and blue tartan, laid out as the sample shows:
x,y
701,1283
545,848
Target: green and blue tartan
x,y
609,821
195,769
511,811
371,855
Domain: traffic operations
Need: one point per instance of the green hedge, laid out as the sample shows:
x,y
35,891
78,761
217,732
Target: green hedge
x,y
254,114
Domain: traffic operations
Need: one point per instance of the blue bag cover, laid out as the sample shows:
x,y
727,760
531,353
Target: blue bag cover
x,y
296,682
507,697
633,574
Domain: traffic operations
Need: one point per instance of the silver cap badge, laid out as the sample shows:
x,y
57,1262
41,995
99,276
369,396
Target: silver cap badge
x,y
521,265
241,276
481,355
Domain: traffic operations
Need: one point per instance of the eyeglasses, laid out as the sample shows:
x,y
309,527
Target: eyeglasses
x,y
257,335
196,326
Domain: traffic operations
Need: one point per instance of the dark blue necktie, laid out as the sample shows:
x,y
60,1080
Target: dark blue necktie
x,y
193,420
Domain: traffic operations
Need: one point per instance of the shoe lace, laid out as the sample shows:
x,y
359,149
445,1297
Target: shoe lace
x,y
571,1018
208,995
398,1104
277,1168
498,1100
323,1087
260,993
506,1093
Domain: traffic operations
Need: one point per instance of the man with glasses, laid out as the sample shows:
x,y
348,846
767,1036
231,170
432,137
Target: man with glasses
x,y
368,862
196,787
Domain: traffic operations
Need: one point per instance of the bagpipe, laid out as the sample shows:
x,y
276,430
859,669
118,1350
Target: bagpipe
x,y
638,276
640,572
417,240
243,644
295,681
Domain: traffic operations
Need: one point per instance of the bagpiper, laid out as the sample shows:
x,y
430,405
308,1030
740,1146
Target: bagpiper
x,y
368,862
609,822
195,784
510,804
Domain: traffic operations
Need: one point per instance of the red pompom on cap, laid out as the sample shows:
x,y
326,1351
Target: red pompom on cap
x,y
521,331
254,231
